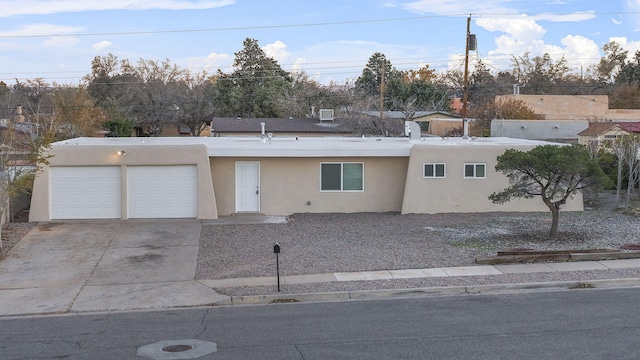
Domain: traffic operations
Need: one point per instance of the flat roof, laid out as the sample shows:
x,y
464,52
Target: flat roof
x,y
299,146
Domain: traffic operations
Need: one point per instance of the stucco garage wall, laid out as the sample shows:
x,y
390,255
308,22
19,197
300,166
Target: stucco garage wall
x,y
288,185
454,193
80,155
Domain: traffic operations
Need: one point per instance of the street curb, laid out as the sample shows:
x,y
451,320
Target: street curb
x,y
430,292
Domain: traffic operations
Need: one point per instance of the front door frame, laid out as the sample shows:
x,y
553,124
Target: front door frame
x,y
242,191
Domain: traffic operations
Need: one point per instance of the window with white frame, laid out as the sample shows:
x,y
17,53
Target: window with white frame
x,y
436,170
475,170
342,176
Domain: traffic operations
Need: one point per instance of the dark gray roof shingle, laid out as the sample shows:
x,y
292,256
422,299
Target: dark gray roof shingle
x,y
275,125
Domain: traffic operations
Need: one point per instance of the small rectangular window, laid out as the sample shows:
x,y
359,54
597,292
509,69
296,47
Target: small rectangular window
x,y
352,177
434,170
341,176
475,171
424,126
331,177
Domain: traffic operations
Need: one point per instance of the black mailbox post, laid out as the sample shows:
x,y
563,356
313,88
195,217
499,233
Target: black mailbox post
x,y
276,250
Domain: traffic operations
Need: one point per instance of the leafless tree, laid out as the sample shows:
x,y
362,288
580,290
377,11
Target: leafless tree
x,y
626,148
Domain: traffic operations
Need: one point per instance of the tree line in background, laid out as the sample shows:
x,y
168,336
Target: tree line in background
x,y
119,96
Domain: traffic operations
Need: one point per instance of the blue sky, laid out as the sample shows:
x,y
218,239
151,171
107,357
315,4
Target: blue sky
x,y
331,40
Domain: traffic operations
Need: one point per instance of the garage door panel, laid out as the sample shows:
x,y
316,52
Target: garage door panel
x,y
85,192
163,191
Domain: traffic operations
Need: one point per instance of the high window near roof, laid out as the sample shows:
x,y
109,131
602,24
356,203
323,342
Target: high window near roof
x,y
434,170
475,170
342,176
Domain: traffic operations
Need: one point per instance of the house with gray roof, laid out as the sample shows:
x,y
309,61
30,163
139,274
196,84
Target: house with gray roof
x,y
278,127
209,177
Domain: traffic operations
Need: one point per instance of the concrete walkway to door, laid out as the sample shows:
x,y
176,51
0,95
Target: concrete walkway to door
x,y
81,266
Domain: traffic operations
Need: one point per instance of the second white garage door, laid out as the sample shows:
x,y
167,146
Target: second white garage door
x,y
162,191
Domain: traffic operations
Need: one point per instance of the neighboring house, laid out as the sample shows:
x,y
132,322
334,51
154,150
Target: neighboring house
x,y
208,177
15,144
575,107
178,130
599,132
437,123
279,127
565,131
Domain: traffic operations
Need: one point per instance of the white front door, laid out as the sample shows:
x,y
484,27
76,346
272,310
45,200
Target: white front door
x,y
247,186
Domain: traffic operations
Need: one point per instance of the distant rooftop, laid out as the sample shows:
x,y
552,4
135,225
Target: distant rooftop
x,y
277,125
401,115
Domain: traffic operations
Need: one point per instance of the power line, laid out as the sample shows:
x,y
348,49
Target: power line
x,y
233,28
332,23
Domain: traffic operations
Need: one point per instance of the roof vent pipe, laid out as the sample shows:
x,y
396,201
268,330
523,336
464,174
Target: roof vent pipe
x,y
263,137
465,128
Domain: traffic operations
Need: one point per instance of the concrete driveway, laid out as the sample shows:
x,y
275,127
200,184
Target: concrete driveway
x,y
80,266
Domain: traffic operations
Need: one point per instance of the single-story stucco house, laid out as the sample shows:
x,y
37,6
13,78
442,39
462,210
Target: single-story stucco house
x,y
564,131
208,177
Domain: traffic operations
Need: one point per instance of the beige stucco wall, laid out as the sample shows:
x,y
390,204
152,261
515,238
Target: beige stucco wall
x,y
565,107
292,185
79,155
623,114
441,126
454,193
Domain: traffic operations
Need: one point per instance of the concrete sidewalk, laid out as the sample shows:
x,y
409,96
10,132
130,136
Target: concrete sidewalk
x,y
97,266
480,270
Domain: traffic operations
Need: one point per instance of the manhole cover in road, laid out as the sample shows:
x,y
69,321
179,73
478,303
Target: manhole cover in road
x,y
177,349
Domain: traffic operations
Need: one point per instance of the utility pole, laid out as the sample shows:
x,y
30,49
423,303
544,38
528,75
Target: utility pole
x,y
382,91
471,45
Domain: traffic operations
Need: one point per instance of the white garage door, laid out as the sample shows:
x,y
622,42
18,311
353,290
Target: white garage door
x,y
87,192
163,191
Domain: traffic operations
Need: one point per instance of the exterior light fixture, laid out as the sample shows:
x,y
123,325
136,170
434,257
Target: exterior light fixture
x,y
122,153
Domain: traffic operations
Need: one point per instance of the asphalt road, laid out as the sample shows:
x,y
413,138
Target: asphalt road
x,y
577,324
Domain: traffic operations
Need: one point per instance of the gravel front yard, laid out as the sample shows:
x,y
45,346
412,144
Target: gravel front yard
x,y
325,243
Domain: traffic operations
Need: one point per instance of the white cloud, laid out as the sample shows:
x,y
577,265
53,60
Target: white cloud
x,y
631,46
277,51
455,6
572,17
299,64
580,51
523,29
39,7
211,63
41,29
102,45
61,42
